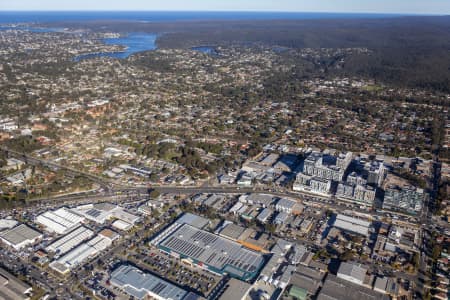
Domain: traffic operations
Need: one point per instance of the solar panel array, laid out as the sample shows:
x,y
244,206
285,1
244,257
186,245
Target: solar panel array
x,y
94,212
212,250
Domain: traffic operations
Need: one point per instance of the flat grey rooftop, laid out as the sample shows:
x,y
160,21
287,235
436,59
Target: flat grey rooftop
x,y
338,289
309,272
193,220
20,234
138,284
223,254
236,290
232,231
352,270
311,285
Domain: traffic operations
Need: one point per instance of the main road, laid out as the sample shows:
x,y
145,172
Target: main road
x,y
104,182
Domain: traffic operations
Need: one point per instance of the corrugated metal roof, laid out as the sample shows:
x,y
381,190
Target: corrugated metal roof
x,y
140,284
213,250
193,220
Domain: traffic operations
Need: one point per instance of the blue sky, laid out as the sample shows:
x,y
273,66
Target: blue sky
x,y
371,6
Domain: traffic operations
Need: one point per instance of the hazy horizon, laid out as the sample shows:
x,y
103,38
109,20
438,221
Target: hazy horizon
x,y
431,7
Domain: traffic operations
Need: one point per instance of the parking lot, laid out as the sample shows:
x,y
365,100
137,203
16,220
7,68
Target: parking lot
x,y
199,281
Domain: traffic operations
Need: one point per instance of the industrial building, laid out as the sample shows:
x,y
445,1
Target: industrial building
x,y
59,221
13,288
122,225
264,215
109,234
231,231
269,160
193,220
141,285
336,288
247,237
289,206
101,212
236,290
281,218
209,251
352,224
98,213
276,272
306,281
7,224
236,207
270,268
352,272
85,250
70,240
263,200
20,236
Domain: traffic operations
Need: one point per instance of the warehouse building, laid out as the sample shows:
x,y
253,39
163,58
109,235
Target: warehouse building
x,y
336,288
271,268
352,272
7,223
122,225
84,251
209,251
102,212
59,221
231,231
352,224
236,207
387,285
98,213
193,220
281,218
109,234
305,281
264,215
12,287
141,285
236,290
288,206
70,240
20,236
263,200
